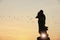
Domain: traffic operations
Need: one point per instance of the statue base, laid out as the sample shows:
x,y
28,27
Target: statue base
x,y
39,38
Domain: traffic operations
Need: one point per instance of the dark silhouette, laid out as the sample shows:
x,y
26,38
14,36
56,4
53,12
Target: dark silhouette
x,y
41,21
42,28
41,18
39,38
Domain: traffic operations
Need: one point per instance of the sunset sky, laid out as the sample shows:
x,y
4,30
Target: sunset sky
x,y
18,22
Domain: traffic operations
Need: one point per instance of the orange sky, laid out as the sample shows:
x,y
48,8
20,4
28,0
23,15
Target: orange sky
x,y
17,19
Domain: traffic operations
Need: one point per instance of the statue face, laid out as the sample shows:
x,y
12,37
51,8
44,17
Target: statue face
x,y
41,11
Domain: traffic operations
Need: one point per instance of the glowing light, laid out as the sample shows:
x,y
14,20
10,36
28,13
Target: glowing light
x,y
43,35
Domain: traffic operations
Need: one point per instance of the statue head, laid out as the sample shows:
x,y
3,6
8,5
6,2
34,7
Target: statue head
x,y
39,13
